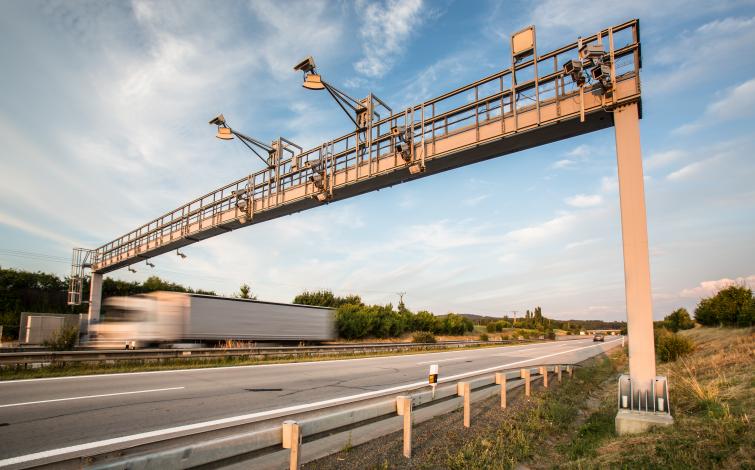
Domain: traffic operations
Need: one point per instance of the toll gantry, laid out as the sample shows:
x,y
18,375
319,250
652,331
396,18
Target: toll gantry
x,y
587,85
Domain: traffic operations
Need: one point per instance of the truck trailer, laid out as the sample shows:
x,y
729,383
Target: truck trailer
x,y
173,318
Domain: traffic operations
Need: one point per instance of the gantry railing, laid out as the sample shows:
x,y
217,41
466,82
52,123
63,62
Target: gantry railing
x,y
466,125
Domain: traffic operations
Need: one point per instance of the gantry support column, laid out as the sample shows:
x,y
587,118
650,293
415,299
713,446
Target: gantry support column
x,y
634,234
95,298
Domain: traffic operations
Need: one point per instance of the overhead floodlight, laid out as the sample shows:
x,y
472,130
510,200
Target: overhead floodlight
x,y
313,82
224,133
182,255
361,111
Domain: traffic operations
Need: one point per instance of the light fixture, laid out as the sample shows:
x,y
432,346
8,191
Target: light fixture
x,y
313,81
224,133
182,255
361,111
131,269
149,264
415,168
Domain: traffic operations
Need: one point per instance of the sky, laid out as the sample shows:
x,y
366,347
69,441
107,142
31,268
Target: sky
x,y
103,126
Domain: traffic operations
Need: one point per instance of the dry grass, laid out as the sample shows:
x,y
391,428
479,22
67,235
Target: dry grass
x,y
712,403
572,426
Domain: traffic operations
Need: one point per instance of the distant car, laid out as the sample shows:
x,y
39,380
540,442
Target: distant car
x,y
598,338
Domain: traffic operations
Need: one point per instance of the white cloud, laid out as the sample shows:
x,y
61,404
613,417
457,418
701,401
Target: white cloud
x,y
736,103
580,151
385,29
564,163
694,169
581,243
36,230
609,184
584,200
661,159
543,231
688,60
709,288
475,200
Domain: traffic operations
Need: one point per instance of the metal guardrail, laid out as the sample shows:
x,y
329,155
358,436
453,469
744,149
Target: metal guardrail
x,y
290,439
65,357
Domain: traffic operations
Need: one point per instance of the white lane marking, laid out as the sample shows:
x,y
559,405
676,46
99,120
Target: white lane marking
x,y
260,414
90,396
285,364
518,351
441,360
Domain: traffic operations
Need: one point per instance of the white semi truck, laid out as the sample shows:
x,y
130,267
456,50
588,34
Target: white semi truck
x,y
173,318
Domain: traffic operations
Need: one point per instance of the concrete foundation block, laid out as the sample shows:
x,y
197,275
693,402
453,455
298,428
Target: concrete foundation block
x,y
635,422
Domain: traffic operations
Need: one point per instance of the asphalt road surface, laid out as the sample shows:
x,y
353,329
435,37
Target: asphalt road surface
x,y
48,414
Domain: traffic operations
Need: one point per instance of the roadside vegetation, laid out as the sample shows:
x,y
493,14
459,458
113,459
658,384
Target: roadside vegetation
x,y
25,291
571,425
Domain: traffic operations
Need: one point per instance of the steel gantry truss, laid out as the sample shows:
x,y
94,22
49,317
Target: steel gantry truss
x,y
587,85
497,115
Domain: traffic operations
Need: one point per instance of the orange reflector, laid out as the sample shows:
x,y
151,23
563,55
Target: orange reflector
x,y
313,82
224,133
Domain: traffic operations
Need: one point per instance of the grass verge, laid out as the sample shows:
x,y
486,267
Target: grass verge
x,y
712,402
571,426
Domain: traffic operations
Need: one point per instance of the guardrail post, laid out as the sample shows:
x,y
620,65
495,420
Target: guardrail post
x,y
570,370
544,373
404,408
292,440
500,378
525,374
558,373
463,389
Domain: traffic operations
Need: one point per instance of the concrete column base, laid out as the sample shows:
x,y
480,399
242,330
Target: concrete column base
x,y
635,422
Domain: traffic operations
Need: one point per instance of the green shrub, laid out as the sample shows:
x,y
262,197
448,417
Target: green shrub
x,y
484,337
423,337
490,327
670,346
733,306
677,320
64,339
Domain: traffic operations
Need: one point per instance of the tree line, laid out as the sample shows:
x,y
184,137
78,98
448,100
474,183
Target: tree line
x,y
25,291
355,320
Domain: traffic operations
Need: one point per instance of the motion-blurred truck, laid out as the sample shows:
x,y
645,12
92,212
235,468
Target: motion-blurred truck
x,y
172,318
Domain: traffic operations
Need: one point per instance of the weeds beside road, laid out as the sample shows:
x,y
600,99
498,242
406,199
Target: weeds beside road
x,y
572,425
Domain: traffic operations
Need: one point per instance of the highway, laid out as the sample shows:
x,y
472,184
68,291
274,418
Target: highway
x,y
39,415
